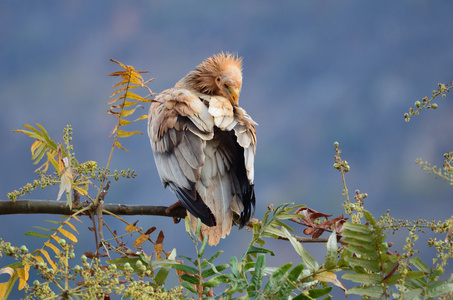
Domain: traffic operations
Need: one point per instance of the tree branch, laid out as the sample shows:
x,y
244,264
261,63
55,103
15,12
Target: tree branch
x,y
59,208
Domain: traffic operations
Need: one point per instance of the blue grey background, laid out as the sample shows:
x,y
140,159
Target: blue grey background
x,y
315,72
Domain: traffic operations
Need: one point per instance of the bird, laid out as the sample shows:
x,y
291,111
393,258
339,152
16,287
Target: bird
x,y
204,146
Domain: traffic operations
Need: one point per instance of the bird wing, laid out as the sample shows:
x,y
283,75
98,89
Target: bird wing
x,y
226,183
178,127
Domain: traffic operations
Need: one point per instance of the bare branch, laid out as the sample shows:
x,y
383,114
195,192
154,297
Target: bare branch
x,y
53,207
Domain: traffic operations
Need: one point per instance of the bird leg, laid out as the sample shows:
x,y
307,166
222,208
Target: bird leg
x,y
173,206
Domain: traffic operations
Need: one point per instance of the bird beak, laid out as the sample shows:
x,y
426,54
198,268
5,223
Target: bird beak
x,y
234,95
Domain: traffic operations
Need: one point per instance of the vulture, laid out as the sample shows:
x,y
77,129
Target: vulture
x,y
204,146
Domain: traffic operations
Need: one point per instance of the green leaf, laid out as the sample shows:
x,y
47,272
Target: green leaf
x,y
372,265
223,278
331,257
309,261
368,253
369,217
190,279
215,256
35,234
254,249
291,282
213,270
185,268
203,246
234,266
44,229
189,287
359,243
53,222
440,290
317,293
162,275
371,291
364,278
366,238
365,229
257,276
197,230
274,280
419,264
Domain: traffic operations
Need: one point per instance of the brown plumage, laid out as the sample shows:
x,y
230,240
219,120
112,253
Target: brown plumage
x,y
204,145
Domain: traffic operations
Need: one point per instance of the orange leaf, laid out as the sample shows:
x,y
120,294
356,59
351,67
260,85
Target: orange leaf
x,y
140,240
131,228
158,249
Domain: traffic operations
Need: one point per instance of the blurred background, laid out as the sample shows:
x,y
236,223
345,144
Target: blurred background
x,y
315,72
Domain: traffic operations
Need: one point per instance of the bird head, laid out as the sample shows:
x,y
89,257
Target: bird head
x,y
229,83
219,75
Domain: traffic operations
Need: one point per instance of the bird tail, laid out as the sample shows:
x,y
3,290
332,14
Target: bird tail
x,y
221,199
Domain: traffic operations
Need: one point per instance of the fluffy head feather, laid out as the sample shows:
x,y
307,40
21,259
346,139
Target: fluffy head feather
x,y
219,75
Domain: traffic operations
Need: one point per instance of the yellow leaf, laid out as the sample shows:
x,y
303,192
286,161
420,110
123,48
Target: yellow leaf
x,y
75,217
329,277
50,157
141,118
53,247
131,228
118,145
120,90
56,237
134,96
46,255
83,190
129,103
72,226
122,133
23,276
148,100
120,83
158,249
38,258
140,240
125,122
34,146
115,61
68,235
6,287
126,113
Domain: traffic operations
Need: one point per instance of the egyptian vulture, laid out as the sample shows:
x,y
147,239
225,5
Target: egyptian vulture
x,y
204,145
